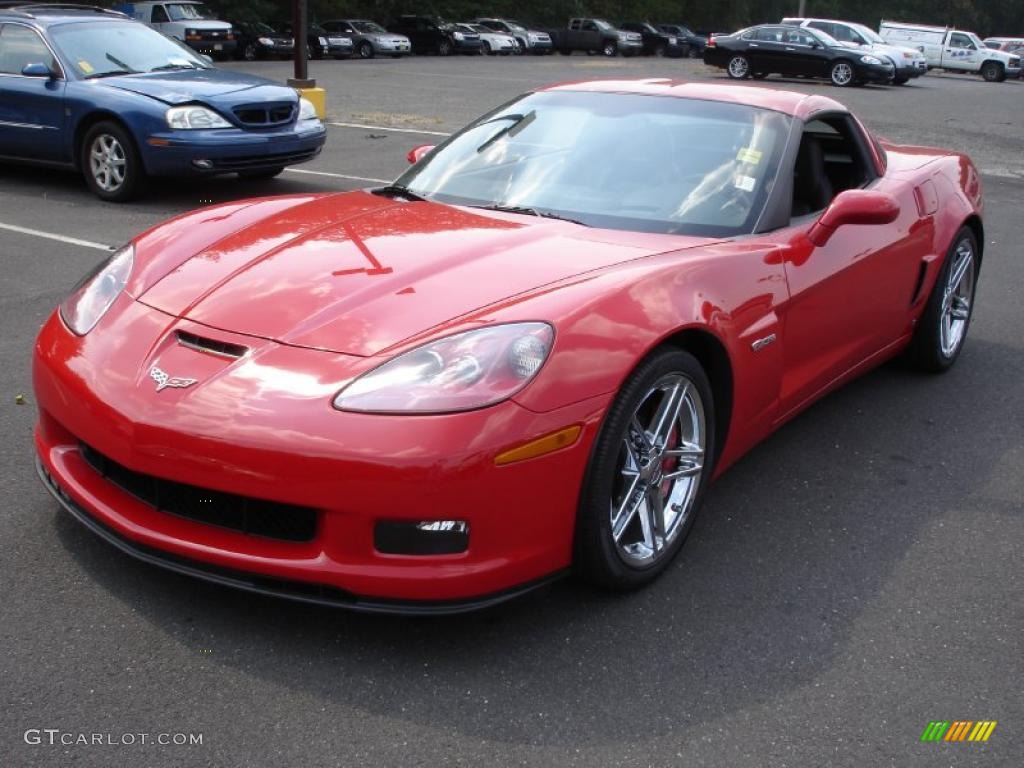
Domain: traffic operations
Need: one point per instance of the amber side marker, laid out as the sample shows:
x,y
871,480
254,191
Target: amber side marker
x,y
555,441
155,142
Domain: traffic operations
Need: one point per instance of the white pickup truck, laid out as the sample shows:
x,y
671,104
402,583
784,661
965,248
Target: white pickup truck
x,y
953,49
187,21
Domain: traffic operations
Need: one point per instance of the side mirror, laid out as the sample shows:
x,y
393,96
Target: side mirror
x,y
418,153
36,69
854,206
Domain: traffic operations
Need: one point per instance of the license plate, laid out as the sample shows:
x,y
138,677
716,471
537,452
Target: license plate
x,y
218,47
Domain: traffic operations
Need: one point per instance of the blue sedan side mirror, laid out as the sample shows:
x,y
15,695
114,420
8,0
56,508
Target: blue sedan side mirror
x,y
36,69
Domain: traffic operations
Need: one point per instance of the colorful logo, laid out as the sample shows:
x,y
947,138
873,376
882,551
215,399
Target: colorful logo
x,y
958,730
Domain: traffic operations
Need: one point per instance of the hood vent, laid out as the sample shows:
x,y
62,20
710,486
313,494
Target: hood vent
x,y
210,346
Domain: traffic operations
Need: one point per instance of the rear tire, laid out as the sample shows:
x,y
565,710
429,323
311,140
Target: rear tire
x,y
942,330
621,541
110,162
738,67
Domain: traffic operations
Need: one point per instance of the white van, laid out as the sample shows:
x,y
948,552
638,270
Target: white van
x,y
187,21
953,49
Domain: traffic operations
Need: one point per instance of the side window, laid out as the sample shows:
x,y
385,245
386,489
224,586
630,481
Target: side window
x,y
770,34
159,15
590,27
831,159
21,46
957,40
827,27
796,37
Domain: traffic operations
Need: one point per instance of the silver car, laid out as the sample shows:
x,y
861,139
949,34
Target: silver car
x,y
370,38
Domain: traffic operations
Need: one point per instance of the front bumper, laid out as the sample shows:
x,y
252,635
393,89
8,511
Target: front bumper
x,y
539,46
391,47
468,46
629,47
174,153
287,445
876,73
213,47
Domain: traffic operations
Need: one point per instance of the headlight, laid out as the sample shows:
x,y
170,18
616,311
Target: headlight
x,y
457,35
306,110
458,373
194,119
869,60
323,42
94,294
622,36
266,41
672,41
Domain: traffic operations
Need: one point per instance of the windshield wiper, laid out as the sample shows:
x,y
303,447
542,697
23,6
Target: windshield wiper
x,y
117,62
170,67
527,211
519,124
398,190
111,73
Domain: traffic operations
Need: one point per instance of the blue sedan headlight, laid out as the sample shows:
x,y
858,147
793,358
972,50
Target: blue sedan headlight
x,y
194,118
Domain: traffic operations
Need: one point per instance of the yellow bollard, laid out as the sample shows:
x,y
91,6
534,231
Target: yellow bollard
x,y
318,96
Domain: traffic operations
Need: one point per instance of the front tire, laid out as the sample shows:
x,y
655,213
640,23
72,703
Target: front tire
x,y
365,50
842,74
647,473
993,72
444,48
111,163
610,49
738,67
485,49
942,329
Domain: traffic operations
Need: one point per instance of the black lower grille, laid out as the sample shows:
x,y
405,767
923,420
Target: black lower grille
x,y
227,510
263,161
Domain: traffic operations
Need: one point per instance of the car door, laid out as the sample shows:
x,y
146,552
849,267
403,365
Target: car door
x,y
850,299
960,53
765,50
804,54
31,108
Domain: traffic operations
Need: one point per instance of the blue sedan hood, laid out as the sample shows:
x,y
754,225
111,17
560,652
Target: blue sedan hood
x,y
206,85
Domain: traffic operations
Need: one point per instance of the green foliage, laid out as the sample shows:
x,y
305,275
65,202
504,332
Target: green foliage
x,y
987,17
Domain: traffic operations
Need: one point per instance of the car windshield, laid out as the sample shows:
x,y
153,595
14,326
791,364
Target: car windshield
x,y
368,26
465,28
869,34
478,28
259,28
602,24
186,11
99,49
619,161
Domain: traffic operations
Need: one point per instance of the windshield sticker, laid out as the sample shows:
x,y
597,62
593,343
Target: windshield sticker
x,y
748,155
746,183
86,67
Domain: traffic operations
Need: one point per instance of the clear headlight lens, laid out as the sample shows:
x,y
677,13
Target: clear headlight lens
x,y
457,35
469,370
870,60
194,119
672,41
266,41
94,294
306,110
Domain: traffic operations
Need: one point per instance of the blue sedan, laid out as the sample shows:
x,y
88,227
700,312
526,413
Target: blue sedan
x,y
93,90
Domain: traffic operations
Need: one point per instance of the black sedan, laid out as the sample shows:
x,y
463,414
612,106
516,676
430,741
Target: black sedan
x,y
321,43
657,43
257,40
774,49
686,35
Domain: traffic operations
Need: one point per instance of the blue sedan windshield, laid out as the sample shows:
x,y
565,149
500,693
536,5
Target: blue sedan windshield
x,y
100,49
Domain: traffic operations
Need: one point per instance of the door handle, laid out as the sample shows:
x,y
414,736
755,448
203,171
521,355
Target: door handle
x,y
790,49
754,45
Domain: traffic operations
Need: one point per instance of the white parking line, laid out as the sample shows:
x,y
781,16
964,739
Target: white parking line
x,y
339,175
58,238
365,127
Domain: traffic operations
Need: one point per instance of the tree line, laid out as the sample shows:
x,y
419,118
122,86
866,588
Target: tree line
x,y
987,17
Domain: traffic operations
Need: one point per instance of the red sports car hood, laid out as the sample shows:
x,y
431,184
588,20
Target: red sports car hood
x,y
358,273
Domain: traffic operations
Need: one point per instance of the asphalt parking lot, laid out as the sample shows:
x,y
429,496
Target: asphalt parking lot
x,y
853,578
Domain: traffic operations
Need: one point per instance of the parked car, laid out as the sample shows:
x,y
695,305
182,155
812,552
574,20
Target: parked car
x,y
370,38
492,43
778,49
528,40
909,62
1011,45
320,43
589,344
432,34
953,50
187,21
693,39
92,90
595,36
257,40
656,42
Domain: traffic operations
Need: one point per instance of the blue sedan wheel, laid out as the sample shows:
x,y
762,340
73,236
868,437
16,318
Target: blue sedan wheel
x,y
110,163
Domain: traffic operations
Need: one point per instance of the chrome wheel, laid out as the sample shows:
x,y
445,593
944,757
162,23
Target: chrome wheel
x,y
658,470
107,162
842,73
739,67
956,299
